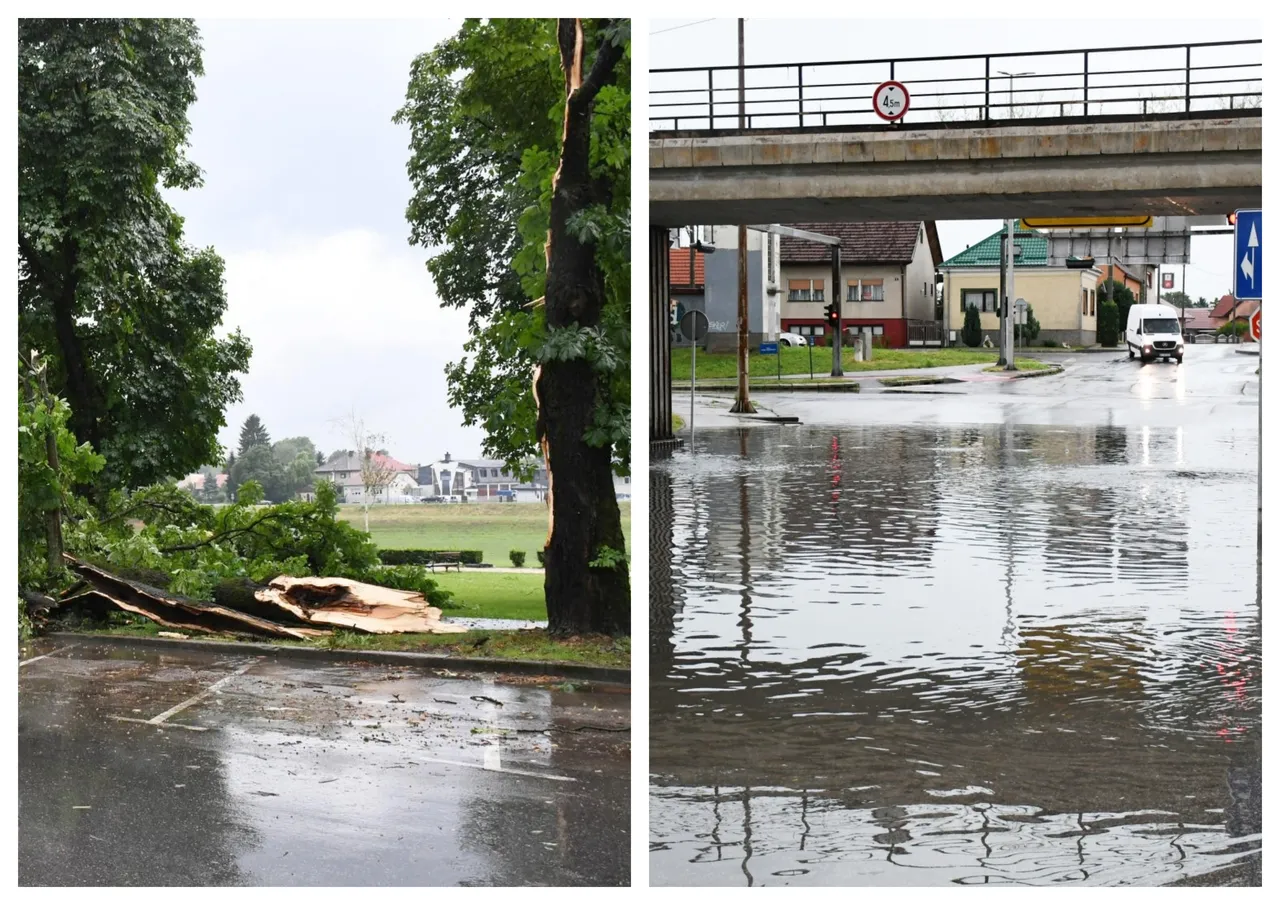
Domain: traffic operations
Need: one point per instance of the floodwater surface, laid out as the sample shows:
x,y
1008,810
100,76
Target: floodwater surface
x,y
998,654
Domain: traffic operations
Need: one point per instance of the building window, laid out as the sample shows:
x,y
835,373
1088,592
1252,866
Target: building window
x,y
1086,301
1093,302
808,329
982,299
805,290
865,291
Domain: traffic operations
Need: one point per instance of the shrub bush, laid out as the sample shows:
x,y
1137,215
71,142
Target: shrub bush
x,y
1108,323
424,557
1049,344
517,558
1235,328
542,558
971,332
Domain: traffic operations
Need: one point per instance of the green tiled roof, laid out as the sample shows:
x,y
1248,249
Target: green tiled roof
x,y
1035,251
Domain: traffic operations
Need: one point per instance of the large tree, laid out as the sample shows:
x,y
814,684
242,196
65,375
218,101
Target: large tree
x,y
253,433
495,113
125,311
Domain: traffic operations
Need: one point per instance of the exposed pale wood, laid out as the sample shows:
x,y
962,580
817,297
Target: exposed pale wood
x,y
352,604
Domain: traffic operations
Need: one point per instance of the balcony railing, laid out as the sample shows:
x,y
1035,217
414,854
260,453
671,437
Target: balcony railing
x,y
986,89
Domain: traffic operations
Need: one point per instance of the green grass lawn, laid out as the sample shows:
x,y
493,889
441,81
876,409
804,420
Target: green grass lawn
x,y
494,528
495,595
796,361
1025,364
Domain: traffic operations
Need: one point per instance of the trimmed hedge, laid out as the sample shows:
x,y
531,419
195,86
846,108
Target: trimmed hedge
x,y
425,557
542,558
1108,323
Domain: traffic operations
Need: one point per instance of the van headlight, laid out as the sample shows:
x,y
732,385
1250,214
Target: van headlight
x,y
1146,348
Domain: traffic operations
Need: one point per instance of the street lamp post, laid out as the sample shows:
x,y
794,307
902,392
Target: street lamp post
x,y
1012,76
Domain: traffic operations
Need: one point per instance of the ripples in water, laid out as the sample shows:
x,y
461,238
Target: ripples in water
x,y
1026,609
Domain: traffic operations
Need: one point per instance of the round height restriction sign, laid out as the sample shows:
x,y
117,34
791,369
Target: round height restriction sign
x,y
891,101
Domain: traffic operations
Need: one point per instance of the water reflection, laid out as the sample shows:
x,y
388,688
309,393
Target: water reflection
x,y
953,654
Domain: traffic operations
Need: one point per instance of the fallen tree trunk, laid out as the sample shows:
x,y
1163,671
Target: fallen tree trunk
x,y
174,611
354,604
299,608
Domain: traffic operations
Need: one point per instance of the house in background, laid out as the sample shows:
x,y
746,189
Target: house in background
x,y
887,281
1063,299
1132,277
1196,321
493,483
720,287
345,469
445,478
196,483
1228,308
688,278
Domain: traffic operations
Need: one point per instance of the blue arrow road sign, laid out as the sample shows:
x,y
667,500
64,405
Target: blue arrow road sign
x,y
1248,257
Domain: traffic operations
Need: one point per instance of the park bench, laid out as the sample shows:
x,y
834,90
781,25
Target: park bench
x,y
445,560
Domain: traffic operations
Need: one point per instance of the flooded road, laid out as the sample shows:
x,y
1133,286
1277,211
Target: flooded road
x,y
903,647
146,767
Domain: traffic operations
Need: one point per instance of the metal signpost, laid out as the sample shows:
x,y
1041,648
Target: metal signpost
x,y
1248,287
1020,320
694,328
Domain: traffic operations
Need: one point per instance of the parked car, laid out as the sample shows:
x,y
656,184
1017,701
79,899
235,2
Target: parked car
x,y
792,339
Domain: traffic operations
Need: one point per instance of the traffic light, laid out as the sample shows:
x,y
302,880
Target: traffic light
x,y
833,314
1231,219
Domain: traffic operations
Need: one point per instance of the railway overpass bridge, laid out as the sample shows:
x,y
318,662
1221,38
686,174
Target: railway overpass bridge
x,y
1172,130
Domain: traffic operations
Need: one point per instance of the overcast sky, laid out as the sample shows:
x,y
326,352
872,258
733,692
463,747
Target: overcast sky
x,y
700,42
304,196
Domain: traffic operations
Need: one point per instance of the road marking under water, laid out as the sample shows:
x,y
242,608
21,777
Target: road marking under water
x,y
59,650
475,766
162,718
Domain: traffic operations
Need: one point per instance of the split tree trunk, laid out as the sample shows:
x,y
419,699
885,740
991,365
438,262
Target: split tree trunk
x,y
584,506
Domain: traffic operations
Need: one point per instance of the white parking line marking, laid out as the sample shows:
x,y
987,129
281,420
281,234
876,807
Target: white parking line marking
x,y
130,719
159,719
493,756
195,699
459,763
22,663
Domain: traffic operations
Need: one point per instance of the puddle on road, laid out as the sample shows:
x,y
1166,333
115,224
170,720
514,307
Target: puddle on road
x,y
956,655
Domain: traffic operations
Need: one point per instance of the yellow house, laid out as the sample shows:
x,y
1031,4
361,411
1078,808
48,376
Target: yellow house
x,y
1064,300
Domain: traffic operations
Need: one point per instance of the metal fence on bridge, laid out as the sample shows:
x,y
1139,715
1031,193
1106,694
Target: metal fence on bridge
x,y
979,89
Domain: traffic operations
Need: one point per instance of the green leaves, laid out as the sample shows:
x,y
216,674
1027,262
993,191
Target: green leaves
x,y
485,111
126,310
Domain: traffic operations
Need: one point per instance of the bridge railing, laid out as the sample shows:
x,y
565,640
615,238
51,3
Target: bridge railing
x,y
982,89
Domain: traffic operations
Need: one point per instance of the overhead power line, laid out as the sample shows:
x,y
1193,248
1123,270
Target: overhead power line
x,y
678,27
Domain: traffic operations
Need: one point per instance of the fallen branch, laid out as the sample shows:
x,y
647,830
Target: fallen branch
x,y
173,611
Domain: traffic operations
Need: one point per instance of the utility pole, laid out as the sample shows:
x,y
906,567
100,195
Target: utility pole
x,y
837,365
1000,299
1008,299
742,405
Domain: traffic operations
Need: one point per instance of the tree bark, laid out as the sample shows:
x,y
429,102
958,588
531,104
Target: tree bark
x,y
585,521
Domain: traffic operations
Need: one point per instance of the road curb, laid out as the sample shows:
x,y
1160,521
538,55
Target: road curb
x,y
606,675
1046,372
850,386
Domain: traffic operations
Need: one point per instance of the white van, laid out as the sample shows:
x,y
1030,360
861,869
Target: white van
x,y
1154,331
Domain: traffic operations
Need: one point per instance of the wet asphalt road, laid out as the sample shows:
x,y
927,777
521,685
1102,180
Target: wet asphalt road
x,y
1004,633
143,767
